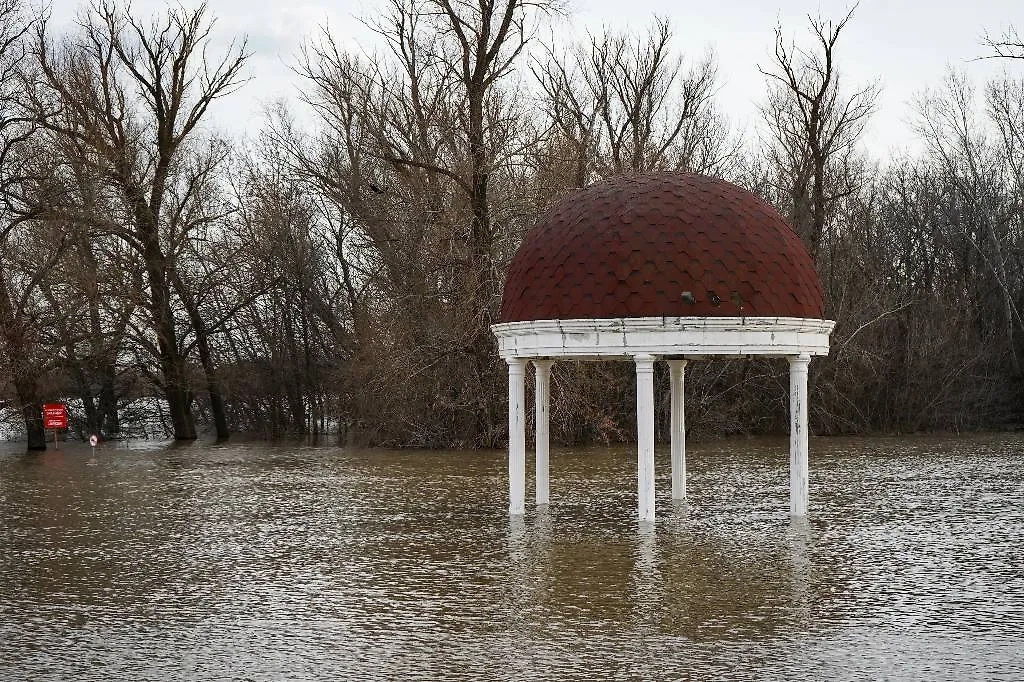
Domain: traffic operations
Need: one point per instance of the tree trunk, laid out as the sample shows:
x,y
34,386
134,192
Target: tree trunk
x,y
220,419
32,411
92,416
110,421
12,326
179,399
183,424
172,364
296,385
481,281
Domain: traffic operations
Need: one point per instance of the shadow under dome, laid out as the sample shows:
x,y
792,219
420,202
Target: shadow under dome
x,y
661,244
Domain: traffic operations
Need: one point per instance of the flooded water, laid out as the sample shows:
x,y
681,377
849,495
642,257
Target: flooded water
x,y
290,562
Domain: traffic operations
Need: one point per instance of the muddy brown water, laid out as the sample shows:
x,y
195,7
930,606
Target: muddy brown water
x,y
260,561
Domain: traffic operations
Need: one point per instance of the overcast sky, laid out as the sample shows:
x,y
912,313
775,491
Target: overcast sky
x,y
907,45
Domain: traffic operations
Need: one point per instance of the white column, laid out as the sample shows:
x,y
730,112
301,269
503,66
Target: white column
x,y
541,403
798,434
516,437
645,436
676,370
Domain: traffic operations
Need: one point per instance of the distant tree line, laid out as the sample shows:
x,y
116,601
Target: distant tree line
x,y
342,279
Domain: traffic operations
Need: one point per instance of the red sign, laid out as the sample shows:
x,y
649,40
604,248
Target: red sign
x,y
54,416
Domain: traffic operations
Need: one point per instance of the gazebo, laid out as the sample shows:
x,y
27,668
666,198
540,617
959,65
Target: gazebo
x,y
663,266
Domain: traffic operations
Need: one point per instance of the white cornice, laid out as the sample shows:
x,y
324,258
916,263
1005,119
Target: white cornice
x,y
663,336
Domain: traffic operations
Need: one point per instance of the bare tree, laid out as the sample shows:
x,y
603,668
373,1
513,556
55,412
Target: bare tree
x,y
624,104
205,261
19,351
419,154
24,358
1008,45
814,124
983,172
88,293
290,328
132,94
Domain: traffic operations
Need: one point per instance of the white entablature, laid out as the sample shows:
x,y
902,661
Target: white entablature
x,y
663,337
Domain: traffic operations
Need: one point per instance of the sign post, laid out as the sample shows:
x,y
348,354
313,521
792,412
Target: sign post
x,y
55,417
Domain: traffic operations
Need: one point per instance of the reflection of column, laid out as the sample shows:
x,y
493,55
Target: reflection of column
x,y
676,369
545,569
800,565
798,434
541,403
517,548
676,521
649,599
646,541
516,437
645,436
542,530
516,596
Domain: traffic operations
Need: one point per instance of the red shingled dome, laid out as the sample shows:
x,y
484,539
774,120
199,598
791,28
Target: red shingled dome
x,y
664,244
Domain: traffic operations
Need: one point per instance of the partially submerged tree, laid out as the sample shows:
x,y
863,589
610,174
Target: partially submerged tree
x,y
420,154
20,351
982,168
130,95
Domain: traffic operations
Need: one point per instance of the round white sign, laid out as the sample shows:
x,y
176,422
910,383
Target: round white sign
x,y
93,440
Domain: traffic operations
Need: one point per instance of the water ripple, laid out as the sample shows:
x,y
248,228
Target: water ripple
x,y
290,562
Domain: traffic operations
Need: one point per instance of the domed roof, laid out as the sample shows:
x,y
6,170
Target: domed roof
x,y
662,244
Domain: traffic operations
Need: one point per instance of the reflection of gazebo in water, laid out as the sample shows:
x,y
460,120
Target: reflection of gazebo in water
x,y
664,266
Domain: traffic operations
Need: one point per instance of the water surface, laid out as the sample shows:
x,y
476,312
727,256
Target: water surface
x,y
290,562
